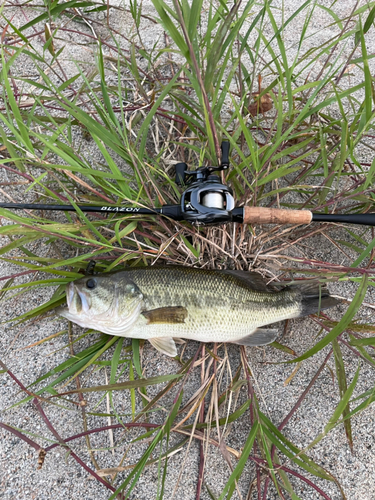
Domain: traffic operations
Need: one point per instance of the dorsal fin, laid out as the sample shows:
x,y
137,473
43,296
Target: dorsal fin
x,y
252,279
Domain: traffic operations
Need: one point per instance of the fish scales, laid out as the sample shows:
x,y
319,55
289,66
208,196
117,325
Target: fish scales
x,y
221,307
157,303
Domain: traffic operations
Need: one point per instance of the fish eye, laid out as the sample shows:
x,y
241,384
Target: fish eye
x,y
91,283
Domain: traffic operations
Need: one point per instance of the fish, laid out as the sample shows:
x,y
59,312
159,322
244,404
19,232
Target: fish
x,y
164,303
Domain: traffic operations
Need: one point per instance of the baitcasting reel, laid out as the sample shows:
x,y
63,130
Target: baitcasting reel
x,y
206,200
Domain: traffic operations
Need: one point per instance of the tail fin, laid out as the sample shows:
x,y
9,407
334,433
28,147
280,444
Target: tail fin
x,y
314,297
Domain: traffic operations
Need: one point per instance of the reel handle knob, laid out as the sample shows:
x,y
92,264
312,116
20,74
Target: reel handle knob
x,y
225,146
180,169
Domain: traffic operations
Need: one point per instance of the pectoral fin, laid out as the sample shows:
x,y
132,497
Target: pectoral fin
x,y
260,336
170,315
165,345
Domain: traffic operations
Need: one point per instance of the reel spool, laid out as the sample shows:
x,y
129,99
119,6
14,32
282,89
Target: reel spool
x,y
207,202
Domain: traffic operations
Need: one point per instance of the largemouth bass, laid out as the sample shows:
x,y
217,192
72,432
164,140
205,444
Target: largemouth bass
x,y
162,303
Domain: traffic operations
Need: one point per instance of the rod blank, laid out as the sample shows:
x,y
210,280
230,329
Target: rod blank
x,y
84,208
365,219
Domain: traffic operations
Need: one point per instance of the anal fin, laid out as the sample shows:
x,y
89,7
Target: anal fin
x,y
165,345
260,336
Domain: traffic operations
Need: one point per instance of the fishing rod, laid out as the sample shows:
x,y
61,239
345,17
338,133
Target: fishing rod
x,y
207,201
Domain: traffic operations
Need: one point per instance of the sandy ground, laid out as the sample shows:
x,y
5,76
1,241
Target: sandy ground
x,y
62,479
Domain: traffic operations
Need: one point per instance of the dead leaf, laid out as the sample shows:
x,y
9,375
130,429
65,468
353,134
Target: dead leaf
x,y
262,105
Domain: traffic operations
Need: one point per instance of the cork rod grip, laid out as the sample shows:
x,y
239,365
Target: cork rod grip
x,y
261,215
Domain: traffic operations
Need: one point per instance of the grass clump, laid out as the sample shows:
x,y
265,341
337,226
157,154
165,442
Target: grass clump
x,y
108,129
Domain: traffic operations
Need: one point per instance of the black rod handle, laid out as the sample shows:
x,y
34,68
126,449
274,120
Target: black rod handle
x,y
365,219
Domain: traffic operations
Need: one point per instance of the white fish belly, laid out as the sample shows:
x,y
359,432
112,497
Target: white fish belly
x,y
218,325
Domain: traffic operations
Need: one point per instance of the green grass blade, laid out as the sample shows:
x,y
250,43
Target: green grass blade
x,y
343,404
341,379
230,485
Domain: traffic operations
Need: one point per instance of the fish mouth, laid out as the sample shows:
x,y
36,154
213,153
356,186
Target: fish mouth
x,y
70,291
78,301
